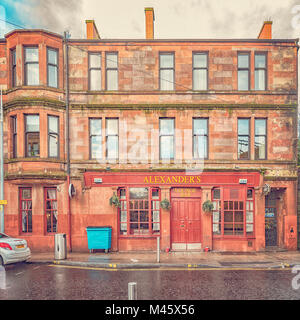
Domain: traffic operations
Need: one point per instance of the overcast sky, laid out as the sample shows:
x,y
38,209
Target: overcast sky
x,y
173,18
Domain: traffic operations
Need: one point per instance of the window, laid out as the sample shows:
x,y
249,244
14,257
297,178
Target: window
x,y
243,138
26,209
13,121
112,138
31,66
51,209
233,212
52,67
111,71
260,71
260,140
243,71
32,135
95,138
13,68
53,136
200,71
200,138
166,138
95,71
139,211
166,71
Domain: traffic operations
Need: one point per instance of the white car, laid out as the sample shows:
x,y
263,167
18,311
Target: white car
x,y
13,250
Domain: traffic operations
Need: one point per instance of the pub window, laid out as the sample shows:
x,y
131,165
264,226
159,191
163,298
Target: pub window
x,y
112,138
243,71
166,71
139,211
166,138
260,73
95,71
260,140
233,212
51,209
95,138
111,71
13,122
200,71
243,138
53,136
200,138
52,67
26,209
32,135
31,66
13,68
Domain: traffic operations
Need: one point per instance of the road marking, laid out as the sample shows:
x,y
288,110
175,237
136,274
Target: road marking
x,y
169,269
19,273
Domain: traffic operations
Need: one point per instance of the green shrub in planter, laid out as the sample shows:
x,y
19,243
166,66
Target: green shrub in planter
x,y
165,204
208,206
114,201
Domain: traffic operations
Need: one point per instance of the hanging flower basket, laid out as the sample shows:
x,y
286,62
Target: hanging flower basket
x,y
207,206
114,201
165,204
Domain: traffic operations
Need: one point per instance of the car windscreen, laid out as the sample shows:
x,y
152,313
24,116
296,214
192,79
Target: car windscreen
x,y
2,235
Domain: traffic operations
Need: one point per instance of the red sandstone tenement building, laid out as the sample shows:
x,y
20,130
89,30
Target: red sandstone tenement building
x,y
175,122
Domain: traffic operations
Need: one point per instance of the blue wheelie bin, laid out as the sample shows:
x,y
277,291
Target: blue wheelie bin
x,y
99,238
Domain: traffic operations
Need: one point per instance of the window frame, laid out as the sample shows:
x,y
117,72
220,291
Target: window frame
x,y
27,132
13,55
260,135
51,210
107,69
200,68
244,53
167,135
150,209
30,62
21,209
56,134
95,53
171,53
53,65
245,201
94,135
14,135
113,135
205,135
243,135
264,53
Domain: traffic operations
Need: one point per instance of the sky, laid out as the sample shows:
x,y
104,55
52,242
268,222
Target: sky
x,y
177,19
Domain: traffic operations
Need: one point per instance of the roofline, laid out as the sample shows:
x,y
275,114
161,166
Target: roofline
x,y
33,30
188,40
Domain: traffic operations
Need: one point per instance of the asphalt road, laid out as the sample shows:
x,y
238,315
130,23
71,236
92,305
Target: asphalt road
x,y
53,282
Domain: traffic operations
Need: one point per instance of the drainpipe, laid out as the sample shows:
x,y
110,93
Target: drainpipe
x,y
66,35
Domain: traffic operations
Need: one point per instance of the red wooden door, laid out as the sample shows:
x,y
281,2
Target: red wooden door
x,y
185,222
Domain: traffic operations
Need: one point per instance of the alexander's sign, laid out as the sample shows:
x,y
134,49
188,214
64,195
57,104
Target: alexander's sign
x,y
172,179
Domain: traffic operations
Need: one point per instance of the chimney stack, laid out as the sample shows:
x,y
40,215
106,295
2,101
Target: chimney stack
x,y
149,15
266,31
91,30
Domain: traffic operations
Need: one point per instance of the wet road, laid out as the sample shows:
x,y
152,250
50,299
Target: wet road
x,y
45,282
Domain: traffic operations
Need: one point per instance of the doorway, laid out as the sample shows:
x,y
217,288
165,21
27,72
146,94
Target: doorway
x,y
186,219
271,220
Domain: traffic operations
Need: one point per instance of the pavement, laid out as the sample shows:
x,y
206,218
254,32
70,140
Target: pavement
x,y
173,260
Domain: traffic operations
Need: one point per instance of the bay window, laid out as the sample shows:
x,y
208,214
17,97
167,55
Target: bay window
x,y
51,209
31,60
32,135
26,209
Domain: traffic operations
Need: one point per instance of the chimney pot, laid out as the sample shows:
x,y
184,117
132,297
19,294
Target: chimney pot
x,y
149,15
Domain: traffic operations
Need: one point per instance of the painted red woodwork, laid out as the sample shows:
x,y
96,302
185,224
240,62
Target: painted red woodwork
x,y
96,179
186,220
